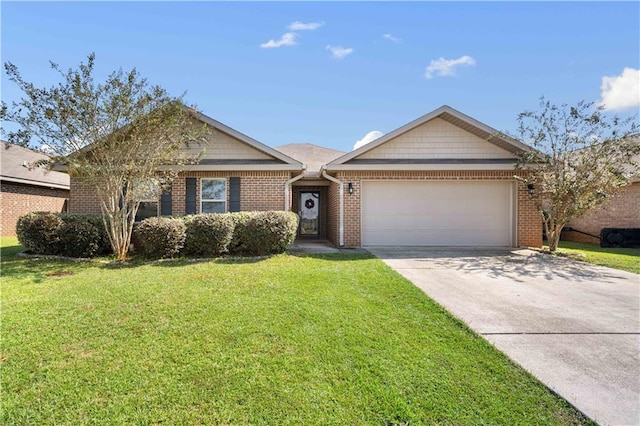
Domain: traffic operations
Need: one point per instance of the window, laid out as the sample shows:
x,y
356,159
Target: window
x,y
147,192
213,196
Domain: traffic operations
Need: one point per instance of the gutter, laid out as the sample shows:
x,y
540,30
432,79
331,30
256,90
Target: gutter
x,y
341,220
287,188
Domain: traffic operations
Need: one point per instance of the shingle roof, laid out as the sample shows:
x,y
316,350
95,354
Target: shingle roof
x,y
313,156
15,162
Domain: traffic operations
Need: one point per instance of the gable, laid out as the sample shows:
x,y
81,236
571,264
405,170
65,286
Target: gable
x,y
220,146
436,139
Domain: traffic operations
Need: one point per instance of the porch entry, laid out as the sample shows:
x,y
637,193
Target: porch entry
x,y
309,213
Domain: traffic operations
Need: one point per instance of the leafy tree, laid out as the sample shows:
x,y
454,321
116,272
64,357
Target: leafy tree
x,y
116,137
581,157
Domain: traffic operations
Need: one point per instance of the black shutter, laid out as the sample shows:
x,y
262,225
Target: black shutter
x,y
234,194
165,203
190,200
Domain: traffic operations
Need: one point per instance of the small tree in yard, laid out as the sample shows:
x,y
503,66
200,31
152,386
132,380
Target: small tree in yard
x,y
581,157
117,137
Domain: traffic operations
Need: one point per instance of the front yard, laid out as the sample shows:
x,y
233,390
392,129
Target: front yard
x,y
312,339
627,259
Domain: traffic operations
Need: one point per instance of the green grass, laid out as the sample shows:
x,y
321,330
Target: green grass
x,y
626,259
313,340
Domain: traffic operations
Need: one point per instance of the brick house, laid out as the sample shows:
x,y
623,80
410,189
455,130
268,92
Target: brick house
x,y
444,179
234,173
619,211
25,189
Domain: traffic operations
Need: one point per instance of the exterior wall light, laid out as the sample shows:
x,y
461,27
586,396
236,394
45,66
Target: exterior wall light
x,y
531,189
350,188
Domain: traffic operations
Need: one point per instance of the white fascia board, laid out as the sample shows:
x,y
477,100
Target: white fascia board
x,y
417,167
33,182
236,167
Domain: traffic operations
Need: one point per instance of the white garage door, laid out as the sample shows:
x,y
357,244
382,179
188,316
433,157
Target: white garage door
x,y
441,213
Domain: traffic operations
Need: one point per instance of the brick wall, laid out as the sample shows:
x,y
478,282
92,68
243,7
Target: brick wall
x,y
333,214
529,226
18,199
83,198
620,211
259,191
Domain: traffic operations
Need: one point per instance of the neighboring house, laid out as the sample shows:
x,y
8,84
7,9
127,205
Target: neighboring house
x,y
444,179
27,189
620,211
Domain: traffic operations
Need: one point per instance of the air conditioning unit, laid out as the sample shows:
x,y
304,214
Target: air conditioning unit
x,y
620,237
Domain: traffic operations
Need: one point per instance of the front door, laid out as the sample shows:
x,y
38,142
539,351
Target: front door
x,y
310,213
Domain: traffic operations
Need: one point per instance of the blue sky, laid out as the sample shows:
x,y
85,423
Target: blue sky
x,y
365,67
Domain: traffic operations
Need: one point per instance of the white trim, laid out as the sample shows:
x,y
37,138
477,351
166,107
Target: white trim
x,y
287,190
233,167
34,182
418,167
211,200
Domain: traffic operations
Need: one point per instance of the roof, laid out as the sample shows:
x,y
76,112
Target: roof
x,y
314,156
247,140
454,117
15,167
280,160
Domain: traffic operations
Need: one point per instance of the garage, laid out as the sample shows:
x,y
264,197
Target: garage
x,y
438,213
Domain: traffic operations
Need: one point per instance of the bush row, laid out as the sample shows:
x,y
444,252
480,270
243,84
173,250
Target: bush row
x,y
74,235
206,235
203,235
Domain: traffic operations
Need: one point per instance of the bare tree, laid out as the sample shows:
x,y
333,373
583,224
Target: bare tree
x,y
581,157
118,137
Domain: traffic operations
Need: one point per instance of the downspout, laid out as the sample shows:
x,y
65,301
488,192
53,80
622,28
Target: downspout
x,y
287,188
341,185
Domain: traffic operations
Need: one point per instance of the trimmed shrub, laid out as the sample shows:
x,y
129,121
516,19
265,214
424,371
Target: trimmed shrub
x,y
39,232
269,232
100,238
208,234
160,237
239,241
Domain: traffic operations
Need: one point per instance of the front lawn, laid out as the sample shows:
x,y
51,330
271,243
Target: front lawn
x,y
331,339
627,259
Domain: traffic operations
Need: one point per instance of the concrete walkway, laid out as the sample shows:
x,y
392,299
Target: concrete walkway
x,y
574,326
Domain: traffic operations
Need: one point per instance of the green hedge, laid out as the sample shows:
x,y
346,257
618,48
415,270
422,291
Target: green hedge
x,y
101,241
269,232
74,235
160,237
243,233
39,232
208,234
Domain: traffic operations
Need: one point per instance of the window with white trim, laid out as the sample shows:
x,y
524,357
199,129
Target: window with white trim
x,y
213,195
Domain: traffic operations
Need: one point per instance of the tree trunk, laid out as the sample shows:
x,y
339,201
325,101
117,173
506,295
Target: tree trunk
x,y
554,238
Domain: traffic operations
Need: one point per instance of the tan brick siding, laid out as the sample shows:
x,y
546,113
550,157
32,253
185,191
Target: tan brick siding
x,y
529,226
18,199
620,211
259,191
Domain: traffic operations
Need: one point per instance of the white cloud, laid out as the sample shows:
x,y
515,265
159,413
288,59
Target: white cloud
x,y
369,137
445,67
391,38
287,39
622,91
339,52
301,26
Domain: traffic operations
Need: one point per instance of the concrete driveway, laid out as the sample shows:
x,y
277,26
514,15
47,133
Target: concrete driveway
x,y
574,326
